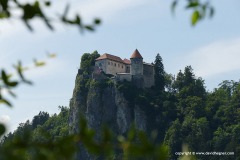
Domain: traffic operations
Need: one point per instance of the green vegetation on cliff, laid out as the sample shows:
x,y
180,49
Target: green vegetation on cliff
x,y
38,138
183,113
88,60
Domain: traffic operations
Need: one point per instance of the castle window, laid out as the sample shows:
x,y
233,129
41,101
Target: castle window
x,y
108,63
115,64
122,66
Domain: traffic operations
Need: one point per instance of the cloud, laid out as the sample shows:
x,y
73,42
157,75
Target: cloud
x,y
5,119
105,8
217,58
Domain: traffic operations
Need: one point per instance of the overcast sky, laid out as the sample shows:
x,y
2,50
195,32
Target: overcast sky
x,y
211,48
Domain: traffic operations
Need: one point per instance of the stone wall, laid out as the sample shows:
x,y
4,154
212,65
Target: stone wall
x,y
124,71
138,81
128,66
102,64
148,75
136,66
111,67
124,76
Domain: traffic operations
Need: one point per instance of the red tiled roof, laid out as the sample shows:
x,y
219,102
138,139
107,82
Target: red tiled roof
x,y
136,54
109,56
127,61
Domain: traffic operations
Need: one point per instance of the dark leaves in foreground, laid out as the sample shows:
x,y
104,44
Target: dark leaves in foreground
x,y
24,146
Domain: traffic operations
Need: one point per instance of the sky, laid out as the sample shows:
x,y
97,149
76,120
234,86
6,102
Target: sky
x,y
212,47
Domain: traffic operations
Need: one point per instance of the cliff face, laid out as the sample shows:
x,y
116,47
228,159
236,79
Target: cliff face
x,y
101,103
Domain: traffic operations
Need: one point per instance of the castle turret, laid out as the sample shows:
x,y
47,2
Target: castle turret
x,y
136,63
137,69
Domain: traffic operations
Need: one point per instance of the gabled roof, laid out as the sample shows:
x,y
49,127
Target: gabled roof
x,y
111,57
127,61
136,54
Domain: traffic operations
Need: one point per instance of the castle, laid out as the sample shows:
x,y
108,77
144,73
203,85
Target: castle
x,y
141,73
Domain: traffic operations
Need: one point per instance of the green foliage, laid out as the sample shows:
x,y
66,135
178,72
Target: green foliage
x,y
2,129
185,113
129,90
40,119
169,79
9,81
206,119
81,85
200,9
78,21
188,85
19,144
29,143
173,138
159,76
137,145
196,133
102,84
88,60
34,9
40,139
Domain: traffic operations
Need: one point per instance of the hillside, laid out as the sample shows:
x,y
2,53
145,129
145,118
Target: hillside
x,y
183,113
178,112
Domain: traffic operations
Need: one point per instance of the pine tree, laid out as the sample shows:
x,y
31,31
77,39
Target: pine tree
x,y
159,73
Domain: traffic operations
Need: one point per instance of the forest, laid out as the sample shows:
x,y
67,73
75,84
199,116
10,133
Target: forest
x,y
183,112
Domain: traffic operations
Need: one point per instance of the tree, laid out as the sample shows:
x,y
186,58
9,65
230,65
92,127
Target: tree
x,y
188,85
34,9
159,75
220,139
40,119
88,60
173,138
52,140
179,82
196,133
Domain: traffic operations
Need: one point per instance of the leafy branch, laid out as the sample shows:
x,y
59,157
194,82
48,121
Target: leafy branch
x,y
200,10
8,81
134,146
32,10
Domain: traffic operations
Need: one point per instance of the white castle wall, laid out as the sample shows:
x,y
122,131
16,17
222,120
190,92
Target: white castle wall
x,y
138,70
110,66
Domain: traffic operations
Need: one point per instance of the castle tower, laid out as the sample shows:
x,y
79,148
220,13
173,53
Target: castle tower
x,y
137,69
136,63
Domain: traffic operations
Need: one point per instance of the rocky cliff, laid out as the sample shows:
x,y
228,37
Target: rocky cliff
x,y
101,102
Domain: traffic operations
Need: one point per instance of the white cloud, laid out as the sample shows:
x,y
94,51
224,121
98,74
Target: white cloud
x,y
5,119
105,8
216,58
